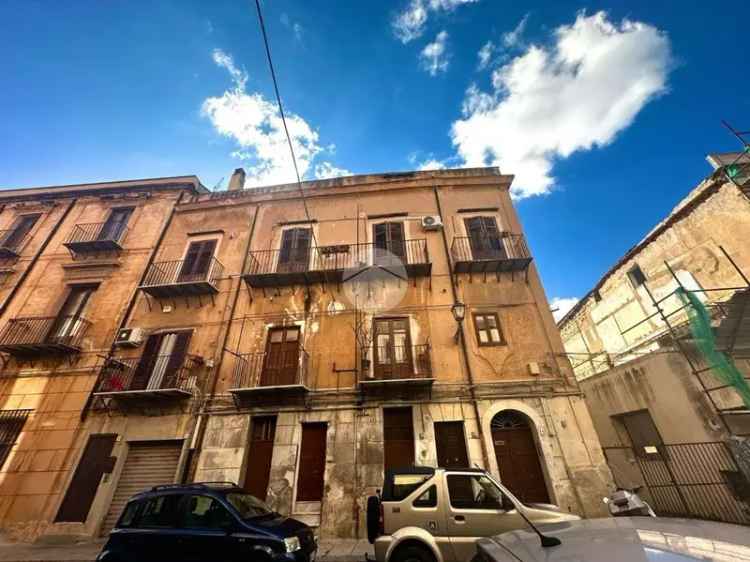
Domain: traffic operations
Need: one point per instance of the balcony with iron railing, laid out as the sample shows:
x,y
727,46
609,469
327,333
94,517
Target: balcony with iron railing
x,y
170,376
11,243
270,374
276,268
33,336
491,254
96,237
392,366
182,278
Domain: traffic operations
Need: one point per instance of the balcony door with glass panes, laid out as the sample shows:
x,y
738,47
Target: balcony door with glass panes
x,y
389,242
113,228
281,362
162,361
197,262
484,238
294,255
70,321
392,349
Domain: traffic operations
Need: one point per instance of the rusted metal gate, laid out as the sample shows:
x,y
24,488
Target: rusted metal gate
x,y
698,480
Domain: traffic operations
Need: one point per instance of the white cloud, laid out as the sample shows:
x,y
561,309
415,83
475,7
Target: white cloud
x,y
561,305
431,164
514,38
434,57
550,102
296,27
485,55
255,125
410,23
327,170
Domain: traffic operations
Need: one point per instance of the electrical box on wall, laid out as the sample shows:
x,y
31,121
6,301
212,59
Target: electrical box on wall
x,y
534,369
129,337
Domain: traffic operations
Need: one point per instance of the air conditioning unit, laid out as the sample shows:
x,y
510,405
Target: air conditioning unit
x,y
432,222
129,337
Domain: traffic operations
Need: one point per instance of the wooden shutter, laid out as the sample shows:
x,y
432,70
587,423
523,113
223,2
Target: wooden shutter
x,y
115,224
11,424
21,227
392,348
146,363
95,461
282,357
295,250
197,261
176,360
68,322
389,236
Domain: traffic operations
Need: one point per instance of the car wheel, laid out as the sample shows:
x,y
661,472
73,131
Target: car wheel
x,y
412,553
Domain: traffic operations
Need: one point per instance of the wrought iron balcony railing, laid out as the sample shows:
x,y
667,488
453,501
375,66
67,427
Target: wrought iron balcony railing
x,y
504,252
11,243
392,363
174,374
96,236
38,335
182,277
263,370
267,268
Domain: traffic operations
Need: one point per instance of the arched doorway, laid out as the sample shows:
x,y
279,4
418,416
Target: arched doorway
x,y
517,456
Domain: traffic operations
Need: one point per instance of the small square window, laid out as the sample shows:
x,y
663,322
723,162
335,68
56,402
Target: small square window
x,y
489,332
636,276
427,499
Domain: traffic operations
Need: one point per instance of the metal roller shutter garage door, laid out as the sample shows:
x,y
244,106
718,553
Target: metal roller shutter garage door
x,y
148,464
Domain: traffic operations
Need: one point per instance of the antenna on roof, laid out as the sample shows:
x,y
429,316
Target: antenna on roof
x,y
217,187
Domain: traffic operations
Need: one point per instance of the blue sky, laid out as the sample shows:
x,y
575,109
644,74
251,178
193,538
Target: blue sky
x,y
605,111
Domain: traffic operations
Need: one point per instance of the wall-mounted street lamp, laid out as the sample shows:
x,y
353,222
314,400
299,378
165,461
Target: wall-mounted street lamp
x,y
459,313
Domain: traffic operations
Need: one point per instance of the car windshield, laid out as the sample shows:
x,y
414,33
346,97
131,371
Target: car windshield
x,y
248,506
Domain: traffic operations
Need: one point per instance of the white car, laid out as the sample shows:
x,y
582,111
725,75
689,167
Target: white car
x,y
622,539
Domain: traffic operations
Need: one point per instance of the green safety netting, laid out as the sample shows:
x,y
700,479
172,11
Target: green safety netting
x,y
721,365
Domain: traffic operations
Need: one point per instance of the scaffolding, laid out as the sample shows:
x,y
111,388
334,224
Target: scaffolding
x,y
730,318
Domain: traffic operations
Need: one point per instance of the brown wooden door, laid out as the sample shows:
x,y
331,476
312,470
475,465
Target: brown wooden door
x,y
392,349
398,436
484,238
295,250
518,458
312,462
197,261
281,363
95,461
451,445
260,451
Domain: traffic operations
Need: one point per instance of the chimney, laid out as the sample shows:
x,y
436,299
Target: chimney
x,y
237,181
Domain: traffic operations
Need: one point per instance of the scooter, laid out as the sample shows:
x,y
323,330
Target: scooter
x,y
627,503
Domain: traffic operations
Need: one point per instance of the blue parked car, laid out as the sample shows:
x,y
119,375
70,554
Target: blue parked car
x,y
208,521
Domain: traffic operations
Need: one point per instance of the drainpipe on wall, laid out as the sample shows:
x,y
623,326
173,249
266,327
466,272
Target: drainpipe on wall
x,y
462,341
195,439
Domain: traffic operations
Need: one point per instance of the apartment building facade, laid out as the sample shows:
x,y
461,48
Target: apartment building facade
x,y
666,418
301,342
71,258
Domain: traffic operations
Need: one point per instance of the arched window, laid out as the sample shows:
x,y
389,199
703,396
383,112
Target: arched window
x,y
509,419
